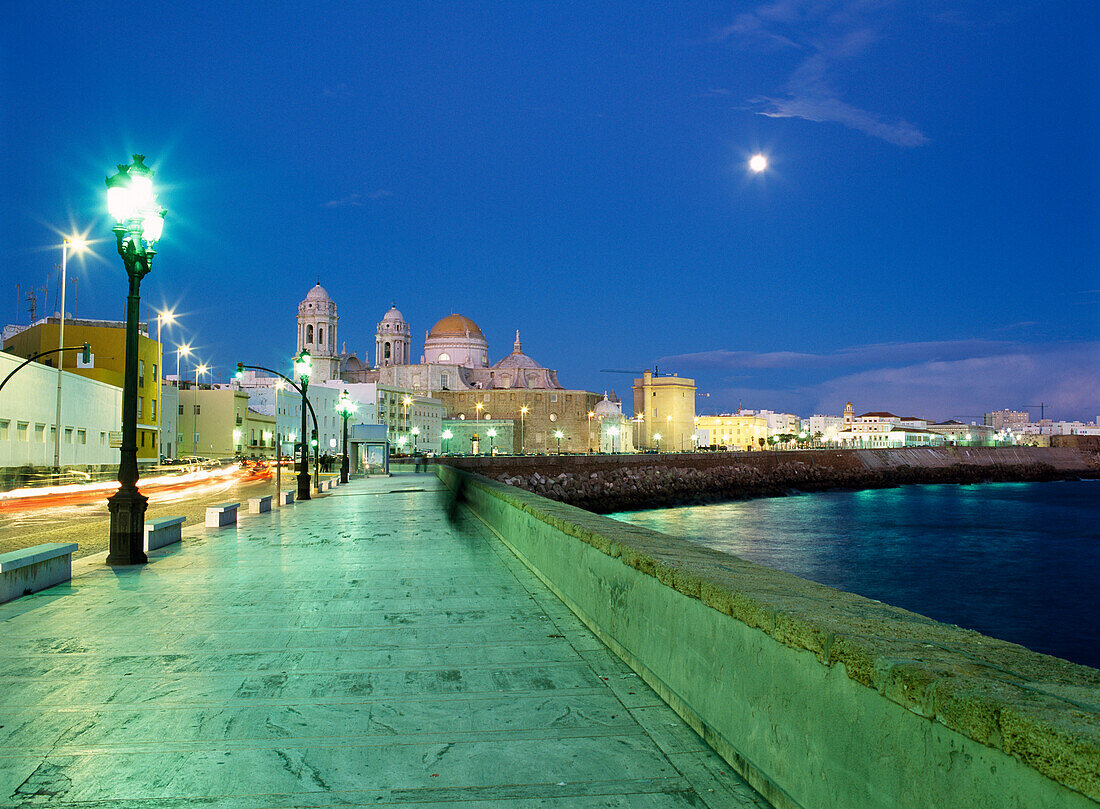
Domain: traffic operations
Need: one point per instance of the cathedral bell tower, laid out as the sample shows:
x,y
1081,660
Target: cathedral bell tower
x,y
317,333
391,341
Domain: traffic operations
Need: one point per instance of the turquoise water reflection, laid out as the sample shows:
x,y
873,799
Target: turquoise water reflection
x,y
1019,561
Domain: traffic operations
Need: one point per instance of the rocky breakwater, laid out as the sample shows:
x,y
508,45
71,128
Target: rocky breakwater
x,y
637,487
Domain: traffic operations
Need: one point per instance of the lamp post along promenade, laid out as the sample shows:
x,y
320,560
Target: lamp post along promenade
x,y
345,407
303,364
140,222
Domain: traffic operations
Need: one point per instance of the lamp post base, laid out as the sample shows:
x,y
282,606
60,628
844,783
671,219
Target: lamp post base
x,y
127,546
344,470
303,485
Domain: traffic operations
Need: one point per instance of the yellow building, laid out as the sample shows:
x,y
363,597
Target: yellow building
x,y
666,405
215,422
108,341
547,411
732,431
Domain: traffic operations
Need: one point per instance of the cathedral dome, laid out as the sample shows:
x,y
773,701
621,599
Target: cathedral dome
x,y
318,293
455,326
456,340
517,359
606,408
394,314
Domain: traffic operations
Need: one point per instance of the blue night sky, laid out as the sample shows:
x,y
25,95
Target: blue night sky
x,y
925,239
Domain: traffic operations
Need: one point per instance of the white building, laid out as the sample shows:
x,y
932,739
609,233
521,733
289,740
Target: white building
x,y
90,412
271,396
169,418
827,426
401,410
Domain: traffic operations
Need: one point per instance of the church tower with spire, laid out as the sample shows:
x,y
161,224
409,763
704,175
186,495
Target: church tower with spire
x,y
317,333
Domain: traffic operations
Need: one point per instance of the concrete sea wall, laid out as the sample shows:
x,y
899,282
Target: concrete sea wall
x,y
610,483
822,699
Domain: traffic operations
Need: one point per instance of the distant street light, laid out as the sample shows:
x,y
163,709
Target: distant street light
x,y
415,433
657,438
588,441
345,407
303,365
185,350
446,435
522,412
139,219
168,317
758,163
67,244
492,434
613,431
558,434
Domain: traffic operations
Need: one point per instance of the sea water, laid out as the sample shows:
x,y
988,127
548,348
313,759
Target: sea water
x,y
1018,561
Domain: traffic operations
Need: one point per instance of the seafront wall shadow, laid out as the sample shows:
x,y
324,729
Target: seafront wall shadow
x,y
818,697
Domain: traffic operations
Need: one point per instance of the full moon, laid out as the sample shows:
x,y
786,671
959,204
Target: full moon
x,y
758,163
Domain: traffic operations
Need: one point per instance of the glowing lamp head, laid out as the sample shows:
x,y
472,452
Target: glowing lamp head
x,y
491,433
184,350
152,225
345,406
758,163
559,434
303,365
524,410
415,431
656,436
77,243
120,199
447,435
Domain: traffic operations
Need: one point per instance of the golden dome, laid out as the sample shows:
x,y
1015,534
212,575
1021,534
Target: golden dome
x,y
455,326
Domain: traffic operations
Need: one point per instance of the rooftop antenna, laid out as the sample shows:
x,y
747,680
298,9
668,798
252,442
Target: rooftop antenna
x,y
18,290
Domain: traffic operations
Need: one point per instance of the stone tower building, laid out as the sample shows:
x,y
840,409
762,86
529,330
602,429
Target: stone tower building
x,y
317,333
391,341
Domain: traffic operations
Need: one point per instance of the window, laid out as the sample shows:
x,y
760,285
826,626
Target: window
x,y
68,435
444,357
143,434
320,335
154,372
181,410
140,401
153,409
309,334
40,432
82,436
21,430
553,397
197,409
4,424
141,373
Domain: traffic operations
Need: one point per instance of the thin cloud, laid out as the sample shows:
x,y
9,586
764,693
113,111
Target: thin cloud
x,y
829,32
876,354
358,199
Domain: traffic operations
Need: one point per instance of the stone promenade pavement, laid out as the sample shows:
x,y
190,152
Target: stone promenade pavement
x,y
355,650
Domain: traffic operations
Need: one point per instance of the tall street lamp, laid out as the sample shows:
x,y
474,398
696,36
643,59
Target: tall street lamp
x,y
657,438
139,219
558,434
406,402
415,433
492,433
169,317
200,370
446,435
67,244
303,364
345,407
522,412
588,442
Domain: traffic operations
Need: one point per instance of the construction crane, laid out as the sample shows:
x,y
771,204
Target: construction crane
x,y
1042,409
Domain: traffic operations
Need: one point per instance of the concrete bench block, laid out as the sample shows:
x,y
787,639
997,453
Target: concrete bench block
x,y
220,516
258,505
36,568
286,498
164,531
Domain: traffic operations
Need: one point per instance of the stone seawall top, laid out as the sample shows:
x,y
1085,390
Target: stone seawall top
x,y
609,483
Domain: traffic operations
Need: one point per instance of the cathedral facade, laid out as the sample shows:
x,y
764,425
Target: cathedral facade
x,y
455,368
